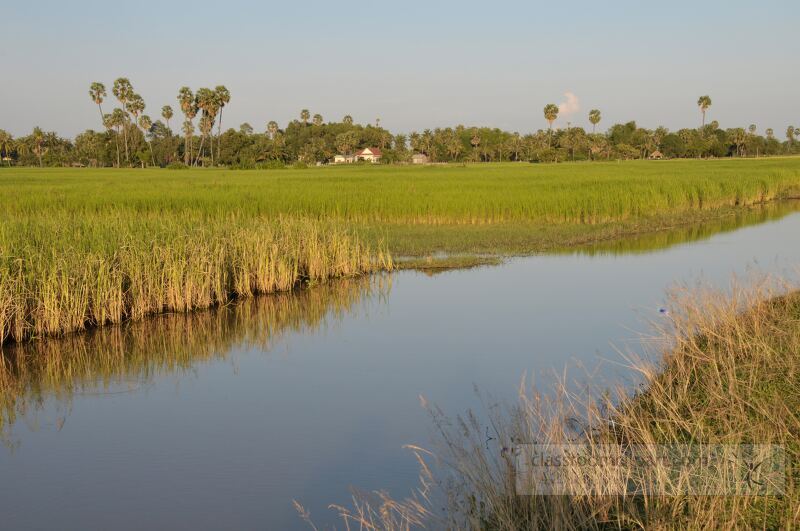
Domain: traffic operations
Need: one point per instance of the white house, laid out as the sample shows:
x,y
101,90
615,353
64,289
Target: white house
x,y
368,155
342,159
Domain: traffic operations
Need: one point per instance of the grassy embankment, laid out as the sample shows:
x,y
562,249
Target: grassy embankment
x,y
729,375
81,248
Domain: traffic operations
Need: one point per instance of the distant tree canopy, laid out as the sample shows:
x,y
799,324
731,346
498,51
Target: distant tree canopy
x,y
129,137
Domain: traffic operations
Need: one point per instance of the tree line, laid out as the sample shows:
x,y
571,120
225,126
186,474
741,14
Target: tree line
x,y
129,137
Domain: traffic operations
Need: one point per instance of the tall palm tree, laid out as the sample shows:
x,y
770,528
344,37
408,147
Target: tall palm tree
x,y
135,107
790,135
475,139
223,98
97,91
347,120
594,118
37,137
108,122
188,133
304,116
770,133
206,125
272,128
207,102
317,120
146,124
167,114
123,90
188,105
6,145
550,114
704,102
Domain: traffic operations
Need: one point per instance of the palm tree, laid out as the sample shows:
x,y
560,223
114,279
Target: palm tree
x,y
6,145
223,98
790,135
704,102
135,107
97,91
123,90
475,139
206,125
594,118
167,114
37,137
770,133
188,105
109,123
752,129
550,114
304,116
146,123
347,120
188,133
272,128
207,102
317,120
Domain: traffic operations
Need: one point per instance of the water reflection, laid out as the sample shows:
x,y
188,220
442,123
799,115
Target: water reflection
x,y
694,232
113,359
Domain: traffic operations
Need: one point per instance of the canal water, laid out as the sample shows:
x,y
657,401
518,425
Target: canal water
x,y
219,419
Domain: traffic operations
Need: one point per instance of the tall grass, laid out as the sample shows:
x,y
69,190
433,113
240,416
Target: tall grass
x,y
729,375
84,248
62,272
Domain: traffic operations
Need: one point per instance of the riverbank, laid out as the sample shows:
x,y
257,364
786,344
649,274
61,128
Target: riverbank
x,y
727,379
84,248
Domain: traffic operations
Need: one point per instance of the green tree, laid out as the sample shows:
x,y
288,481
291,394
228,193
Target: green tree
x,y
594,118
123,90
317,120
550,114
246,129
790,135
146,124
167,114
223,98
347,120
704,102
188,105
272,128
37,139
304,116
97,91
207,103
6,145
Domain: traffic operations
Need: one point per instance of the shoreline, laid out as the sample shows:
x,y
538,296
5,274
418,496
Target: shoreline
x,y
382,260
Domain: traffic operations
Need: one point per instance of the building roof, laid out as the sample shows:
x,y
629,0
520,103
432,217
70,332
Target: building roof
x,y
372,150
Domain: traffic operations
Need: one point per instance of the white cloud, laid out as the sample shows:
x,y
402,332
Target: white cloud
x,y
570,106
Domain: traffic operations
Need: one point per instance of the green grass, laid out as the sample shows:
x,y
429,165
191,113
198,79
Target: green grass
x,y
83,247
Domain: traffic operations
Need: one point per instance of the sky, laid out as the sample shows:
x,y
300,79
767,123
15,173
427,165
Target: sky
x,y
413,64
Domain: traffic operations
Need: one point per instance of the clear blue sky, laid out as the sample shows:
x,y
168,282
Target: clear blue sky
x,y
413,64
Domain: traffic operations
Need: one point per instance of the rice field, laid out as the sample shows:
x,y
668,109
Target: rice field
x,y
81,248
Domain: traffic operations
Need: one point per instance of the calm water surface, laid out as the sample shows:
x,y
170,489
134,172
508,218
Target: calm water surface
x,y
220,419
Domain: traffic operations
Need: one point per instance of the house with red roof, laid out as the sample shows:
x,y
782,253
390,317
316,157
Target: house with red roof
x,y
369,155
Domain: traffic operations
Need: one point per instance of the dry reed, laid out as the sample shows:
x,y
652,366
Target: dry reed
x,y
729,374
